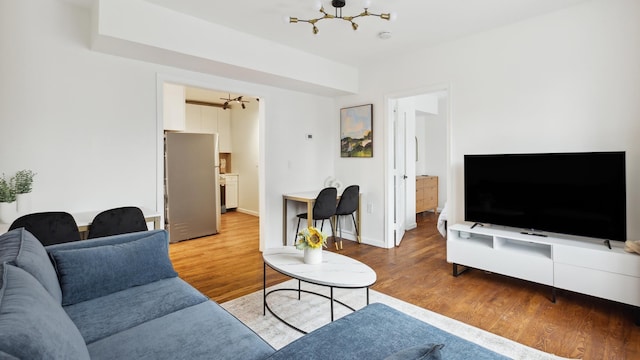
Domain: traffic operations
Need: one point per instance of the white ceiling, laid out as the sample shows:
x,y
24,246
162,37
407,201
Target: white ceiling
x,y
419,24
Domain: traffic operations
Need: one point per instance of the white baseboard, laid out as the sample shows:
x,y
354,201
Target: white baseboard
x,y
248,212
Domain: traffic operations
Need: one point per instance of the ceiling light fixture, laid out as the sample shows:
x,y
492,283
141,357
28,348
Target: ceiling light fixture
x,y
228,101
338,5
384,35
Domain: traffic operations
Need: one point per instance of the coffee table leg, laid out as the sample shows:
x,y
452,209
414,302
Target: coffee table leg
x,y
367,295
299,290
264,289
331,303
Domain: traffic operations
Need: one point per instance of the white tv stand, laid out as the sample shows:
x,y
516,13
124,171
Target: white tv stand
x,y
583,265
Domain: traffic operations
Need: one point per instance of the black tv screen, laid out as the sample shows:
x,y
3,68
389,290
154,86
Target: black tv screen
x,y
571,193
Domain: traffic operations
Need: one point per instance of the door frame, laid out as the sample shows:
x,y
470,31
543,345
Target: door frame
x,y
162,78
389,153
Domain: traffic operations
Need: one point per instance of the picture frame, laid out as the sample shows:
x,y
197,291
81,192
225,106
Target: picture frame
x,y
356,131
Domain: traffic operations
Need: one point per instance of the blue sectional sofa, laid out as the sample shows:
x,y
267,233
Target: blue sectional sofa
x,y
119,297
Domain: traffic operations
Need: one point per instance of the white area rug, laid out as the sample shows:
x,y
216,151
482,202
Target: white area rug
x,y
312,312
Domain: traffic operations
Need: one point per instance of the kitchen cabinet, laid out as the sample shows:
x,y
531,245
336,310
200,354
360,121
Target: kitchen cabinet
x,y
173,106
231,191
224,129
193,122
209,120
208,124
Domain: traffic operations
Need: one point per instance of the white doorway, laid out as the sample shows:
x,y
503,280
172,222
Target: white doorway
x,y
418,144
247,156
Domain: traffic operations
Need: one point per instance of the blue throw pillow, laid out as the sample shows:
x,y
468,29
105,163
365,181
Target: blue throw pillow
x,y
20,248
421,352
93,272
32,324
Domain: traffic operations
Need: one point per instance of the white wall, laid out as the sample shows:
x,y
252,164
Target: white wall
x,y
566,81
427,103
421,138
434,149
86,122
245,158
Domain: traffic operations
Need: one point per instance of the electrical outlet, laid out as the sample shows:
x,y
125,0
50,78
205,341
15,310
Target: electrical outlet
x,y
309,136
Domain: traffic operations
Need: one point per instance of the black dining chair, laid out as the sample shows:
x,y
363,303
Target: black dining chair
x,y
117,221
324,208
51,227
347,205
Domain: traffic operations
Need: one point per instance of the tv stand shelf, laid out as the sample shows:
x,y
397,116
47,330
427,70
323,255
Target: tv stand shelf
x,y
583,265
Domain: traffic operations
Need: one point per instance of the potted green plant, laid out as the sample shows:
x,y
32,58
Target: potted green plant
x,y
24,186
24,181
8,208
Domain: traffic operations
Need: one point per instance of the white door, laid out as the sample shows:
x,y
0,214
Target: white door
x,y
400,177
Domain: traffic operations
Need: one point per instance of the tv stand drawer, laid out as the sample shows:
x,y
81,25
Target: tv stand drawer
x,y
601,258
602,284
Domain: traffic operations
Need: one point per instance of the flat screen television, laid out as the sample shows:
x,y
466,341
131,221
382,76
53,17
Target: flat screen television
x,y
570,193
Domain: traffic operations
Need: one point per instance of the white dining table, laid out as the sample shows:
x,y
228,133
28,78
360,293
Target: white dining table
x,y
309,198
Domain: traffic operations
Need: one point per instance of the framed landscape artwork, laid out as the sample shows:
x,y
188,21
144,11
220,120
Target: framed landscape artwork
x,y
356,136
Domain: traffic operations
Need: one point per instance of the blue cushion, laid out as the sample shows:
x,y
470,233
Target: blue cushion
x,y
203,331
91,272
20,248
32,324
360,333
104,316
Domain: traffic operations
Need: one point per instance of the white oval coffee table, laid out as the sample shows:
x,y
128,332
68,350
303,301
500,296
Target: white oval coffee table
x,y
335,271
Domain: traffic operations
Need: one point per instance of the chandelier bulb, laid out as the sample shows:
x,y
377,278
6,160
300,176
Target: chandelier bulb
x,y
393,16
366,4
317,5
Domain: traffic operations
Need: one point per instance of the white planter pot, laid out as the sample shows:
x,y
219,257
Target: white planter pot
x,y
24,203
8,212
313,256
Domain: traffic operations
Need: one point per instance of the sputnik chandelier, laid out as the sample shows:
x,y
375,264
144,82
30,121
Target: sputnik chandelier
x,y
338,5
228,101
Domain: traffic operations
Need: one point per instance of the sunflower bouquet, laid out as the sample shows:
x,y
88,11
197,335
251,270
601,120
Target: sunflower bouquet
x,y
311,238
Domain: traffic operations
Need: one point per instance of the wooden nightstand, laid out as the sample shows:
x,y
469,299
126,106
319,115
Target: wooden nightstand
x,y
426,193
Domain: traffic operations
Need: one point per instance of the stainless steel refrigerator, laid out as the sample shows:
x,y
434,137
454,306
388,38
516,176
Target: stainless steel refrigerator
x,y
192,193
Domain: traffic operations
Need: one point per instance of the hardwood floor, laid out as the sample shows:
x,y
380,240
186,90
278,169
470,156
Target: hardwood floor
x,y
229,265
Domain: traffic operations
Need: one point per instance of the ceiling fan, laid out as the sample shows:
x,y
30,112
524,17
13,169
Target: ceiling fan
x,y
228,101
